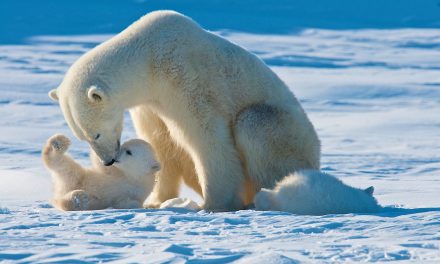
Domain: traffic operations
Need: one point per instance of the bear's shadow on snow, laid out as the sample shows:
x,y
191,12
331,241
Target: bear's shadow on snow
x,y
386,211
390,211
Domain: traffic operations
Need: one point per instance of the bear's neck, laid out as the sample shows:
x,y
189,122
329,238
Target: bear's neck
x,y
124,61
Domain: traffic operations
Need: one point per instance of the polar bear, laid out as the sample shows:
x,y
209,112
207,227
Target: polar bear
x,y
217,117
311,192
124,185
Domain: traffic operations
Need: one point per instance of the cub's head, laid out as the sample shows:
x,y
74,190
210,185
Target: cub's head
x,y
92,110
136,159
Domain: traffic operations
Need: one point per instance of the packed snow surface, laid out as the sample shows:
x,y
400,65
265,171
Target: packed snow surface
x,y
373,96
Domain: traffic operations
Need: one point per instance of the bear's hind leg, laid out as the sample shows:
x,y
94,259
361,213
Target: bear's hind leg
x,y
274,142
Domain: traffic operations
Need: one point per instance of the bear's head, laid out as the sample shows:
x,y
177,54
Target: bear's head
x,y
91,109
136,159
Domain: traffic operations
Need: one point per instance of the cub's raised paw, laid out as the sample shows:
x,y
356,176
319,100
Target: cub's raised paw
x,y
58,143
80,200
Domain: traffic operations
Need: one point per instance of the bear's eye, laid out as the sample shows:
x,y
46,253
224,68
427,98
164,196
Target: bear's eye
x,y
128,152
97,136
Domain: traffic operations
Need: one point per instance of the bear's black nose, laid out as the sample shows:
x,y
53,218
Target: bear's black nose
x,y
109,163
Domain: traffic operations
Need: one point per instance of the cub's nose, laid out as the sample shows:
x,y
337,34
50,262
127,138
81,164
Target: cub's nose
x,y
109,163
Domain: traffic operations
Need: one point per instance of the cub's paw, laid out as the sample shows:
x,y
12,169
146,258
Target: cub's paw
x,y
57,143
79,200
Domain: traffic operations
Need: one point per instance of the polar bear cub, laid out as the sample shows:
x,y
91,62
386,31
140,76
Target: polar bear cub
x,y
311,192
126,184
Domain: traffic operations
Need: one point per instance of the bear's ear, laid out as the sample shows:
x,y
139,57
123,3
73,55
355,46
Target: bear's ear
x,y
369,190
53,95
95,94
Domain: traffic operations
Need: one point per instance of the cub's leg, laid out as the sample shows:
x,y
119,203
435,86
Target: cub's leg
x,y
152,129
77,200
274,142
67,173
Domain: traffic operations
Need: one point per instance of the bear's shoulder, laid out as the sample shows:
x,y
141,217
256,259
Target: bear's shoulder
x,y
165,19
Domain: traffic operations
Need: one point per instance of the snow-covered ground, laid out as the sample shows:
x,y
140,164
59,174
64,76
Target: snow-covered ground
x,y
373,95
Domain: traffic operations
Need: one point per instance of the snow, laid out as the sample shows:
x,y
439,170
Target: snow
x,y
38,233
371,88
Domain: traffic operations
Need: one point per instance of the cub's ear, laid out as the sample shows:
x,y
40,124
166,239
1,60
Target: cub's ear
x,y
95,94
53,95
369,190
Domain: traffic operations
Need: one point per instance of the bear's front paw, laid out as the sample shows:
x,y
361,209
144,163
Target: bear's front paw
x,y
58,143
80,200
151,204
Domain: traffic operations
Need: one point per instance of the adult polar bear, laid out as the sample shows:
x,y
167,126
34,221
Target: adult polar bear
x,y
216,115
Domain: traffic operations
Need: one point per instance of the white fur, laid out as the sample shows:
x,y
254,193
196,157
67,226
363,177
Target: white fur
x,y
217,117
124,185
312,192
